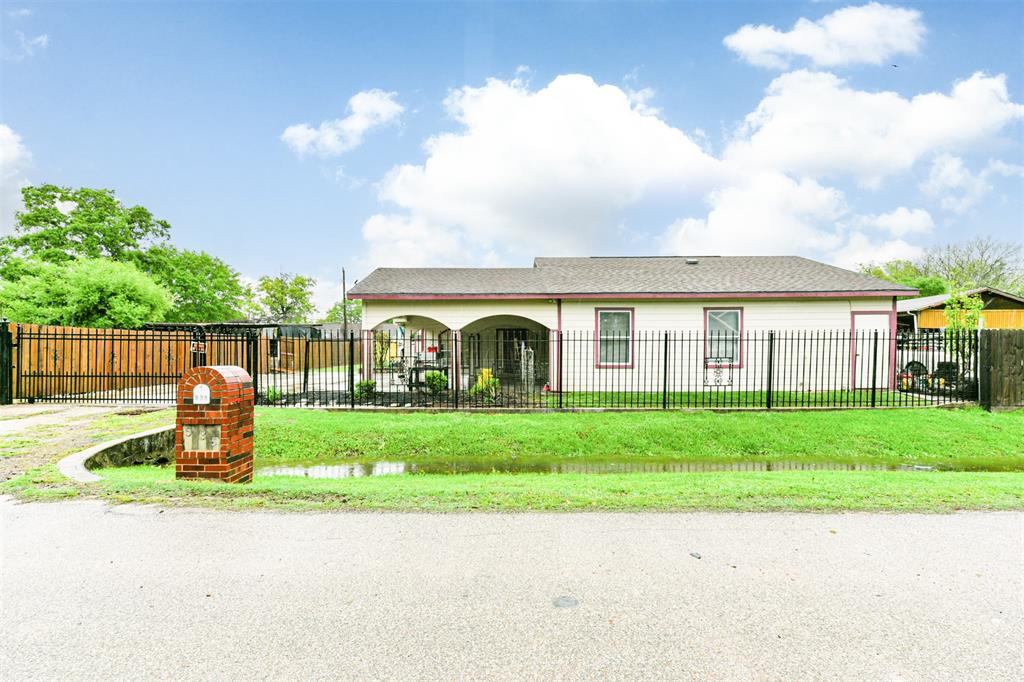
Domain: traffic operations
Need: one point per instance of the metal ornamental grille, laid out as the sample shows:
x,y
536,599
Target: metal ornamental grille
x,y
510,368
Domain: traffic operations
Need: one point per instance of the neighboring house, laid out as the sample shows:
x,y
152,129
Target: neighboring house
x,y
1002,310
612,301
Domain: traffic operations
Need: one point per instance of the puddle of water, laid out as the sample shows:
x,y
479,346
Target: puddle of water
x,y
349,469
338,470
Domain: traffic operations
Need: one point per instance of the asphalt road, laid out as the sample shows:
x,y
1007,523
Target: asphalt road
x,y
100,592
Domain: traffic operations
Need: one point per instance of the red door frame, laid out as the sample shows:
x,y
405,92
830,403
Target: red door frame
x,y
892,343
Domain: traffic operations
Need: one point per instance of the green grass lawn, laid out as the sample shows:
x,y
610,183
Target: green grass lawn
x,y
956,439
948,438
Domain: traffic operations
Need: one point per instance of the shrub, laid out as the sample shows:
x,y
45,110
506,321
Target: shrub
x,y
435,381
366,389
487,386
273,394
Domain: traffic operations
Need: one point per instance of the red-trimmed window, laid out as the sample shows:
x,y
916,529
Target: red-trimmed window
x,y
723,343
614,337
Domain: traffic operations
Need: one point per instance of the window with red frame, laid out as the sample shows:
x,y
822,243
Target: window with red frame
x,y
724,345
614,338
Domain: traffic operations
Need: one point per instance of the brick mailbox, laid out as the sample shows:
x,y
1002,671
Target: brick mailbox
x,y
213,438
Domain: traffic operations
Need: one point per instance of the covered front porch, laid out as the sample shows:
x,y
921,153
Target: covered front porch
x,y
416,359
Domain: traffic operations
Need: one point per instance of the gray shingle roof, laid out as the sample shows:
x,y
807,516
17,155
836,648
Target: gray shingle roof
x,y
624,276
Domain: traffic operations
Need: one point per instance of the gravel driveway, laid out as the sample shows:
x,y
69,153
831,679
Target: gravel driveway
x,y
36,434
100,592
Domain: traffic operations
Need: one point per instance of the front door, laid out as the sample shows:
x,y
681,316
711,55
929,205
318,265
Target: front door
x,y
509,352
863,348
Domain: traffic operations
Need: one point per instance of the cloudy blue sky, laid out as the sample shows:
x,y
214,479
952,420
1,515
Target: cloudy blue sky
x,y
306,137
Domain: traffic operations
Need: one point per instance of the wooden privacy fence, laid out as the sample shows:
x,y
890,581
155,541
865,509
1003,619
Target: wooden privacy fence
x,y
298,354
1001,368
992,319
41,362
66,361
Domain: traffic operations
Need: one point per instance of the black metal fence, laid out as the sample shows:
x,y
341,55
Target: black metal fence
x,y
509,368
670,370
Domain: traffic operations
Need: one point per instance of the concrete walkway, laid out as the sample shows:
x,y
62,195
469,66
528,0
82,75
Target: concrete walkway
x,y
98,592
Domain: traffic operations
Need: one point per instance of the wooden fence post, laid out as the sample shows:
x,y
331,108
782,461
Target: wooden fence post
x,y
985,369
1002,369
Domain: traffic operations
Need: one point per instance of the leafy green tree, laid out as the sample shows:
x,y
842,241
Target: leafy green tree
x,y
337,312
284,299
963,317
204,288
980,262
909,274
88,292
975,263
61,223
897,270
928,285
963,312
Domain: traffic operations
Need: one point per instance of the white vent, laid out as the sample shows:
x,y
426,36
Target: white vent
x,y
691,261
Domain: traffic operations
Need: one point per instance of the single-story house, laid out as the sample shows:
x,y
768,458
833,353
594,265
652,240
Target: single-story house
x,y
508,319
1002,310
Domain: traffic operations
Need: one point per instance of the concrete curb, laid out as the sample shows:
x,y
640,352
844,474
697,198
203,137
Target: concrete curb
x,y
73,466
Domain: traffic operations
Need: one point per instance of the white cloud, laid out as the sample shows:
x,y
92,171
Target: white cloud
x,y
14,159
556,169
901,222
816,124
640,99
395,240
340,176
768,213
369,109
553,166
19,13
325,294
956,188
860,249
772,214
27,47
869,34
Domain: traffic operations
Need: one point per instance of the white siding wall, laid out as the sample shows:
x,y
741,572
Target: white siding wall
x,y
812,349
653,315
757,314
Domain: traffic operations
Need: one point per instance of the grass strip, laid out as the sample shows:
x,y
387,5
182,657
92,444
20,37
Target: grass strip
x,y
777,491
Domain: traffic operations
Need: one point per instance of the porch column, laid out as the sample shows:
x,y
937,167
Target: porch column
x,y
554,349
456,335
366,371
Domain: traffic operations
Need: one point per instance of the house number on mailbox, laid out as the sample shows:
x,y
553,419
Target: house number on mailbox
x,y
201,395
201,437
